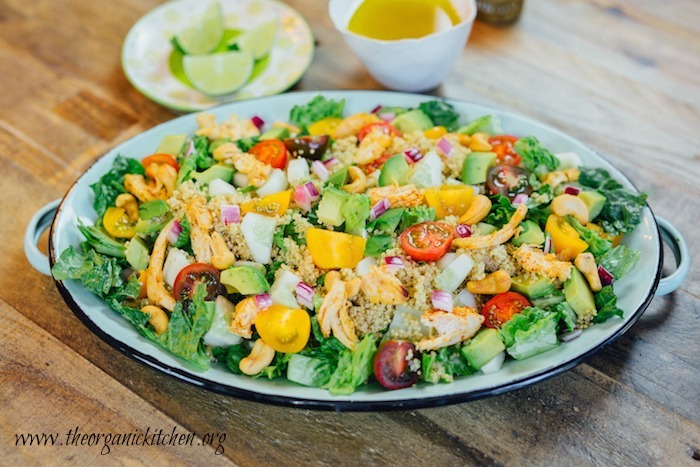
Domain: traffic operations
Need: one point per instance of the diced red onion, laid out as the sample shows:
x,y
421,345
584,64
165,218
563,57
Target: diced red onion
x,y
258,122
520,198
230,214
463,230
606,277
395,261
174,232
445,146
377,109
442,300
378,209
305,295
412,155
330,162
465,298
312,190
547,243
302,198
387,116
263,301
190,148
569,336
320,170
572,190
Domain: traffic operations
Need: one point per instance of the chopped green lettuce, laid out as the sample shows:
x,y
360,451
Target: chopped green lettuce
x,y
98,239
501,211
387,222
354,367
536,158
98,273
231,356
377,244
597,245
530,332
443,365
111,184
490,124
200,159
356,211
606,304
183,238
316,109
441,113
416,215
620,260
309,371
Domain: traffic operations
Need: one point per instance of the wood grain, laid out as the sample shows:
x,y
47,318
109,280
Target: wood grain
x,y
621,75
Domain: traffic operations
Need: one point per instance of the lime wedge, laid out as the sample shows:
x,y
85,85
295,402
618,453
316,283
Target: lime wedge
x,y
206,36
218,74
259,40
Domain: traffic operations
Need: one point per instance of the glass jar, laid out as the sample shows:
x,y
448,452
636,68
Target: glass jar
x,y
499,11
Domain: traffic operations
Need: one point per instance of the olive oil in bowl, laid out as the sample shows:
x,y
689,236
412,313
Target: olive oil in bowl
x,y
402,19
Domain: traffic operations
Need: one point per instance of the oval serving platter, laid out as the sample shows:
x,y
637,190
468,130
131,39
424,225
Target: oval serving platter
x,y
635,292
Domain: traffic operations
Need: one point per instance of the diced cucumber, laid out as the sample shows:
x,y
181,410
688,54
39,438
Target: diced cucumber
x,y
454,274
219,334
259,231
428,171
298,171
283,290
308,371
175,262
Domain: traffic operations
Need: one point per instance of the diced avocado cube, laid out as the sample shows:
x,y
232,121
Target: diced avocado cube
x,y
153,215
532,286
245,280
137,254
476,167
220,171
482,348
594,201
483,228
277,132
331,206
412,120
339,178
172,145
531,234
395,171
578,295
155,208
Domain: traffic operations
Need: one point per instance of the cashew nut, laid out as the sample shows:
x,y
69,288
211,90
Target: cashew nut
x,y
558,177
566,204
495,283
480,142
130,205
585,262
260,357
358,180
480,207
157,318
223,258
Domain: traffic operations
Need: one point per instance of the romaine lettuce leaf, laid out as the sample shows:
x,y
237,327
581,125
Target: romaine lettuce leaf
x,y
620,260
441,113
530,332
111,184
596,245
415,215
98,273
490,124
377,244
354,367
606,304
443,365
316,109
356,211
536,158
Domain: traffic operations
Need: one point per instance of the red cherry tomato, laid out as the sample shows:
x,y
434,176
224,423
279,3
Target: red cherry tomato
x,y
508,180
500,308
160,159
376,164
383,127
191,276
391,367
427,241
502,145
272,152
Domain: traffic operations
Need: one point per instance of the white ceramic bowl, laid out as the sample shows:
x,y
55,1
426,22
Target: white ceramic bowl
x,y
635,292
412,65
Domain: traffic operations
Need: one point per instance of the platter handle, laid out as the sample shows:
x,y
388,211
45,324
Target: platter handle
x,y
37,225
673,238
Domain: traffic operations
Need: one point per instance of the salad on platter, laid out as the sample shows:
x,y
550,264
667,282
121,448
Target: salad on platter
x,y
398,245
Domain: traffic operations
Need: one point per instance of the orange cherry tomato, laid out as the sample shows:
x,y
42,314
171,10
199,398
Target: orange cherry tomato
x,y
502,307
427,241
502,145
272,152
160,159
284,329
383,127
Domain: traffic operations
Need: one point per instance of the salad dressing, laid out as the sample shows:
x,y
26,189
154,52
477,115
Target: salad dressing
x,y
402,19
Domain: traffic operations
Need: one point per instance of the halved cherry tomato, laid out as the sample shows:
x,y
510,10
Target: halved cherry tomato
x,y
284,329
117,223
191,276
376,164
160,159
449,200
270,205
309,147
502,307
508,180
272,152
325,126
391,368
427,241
383,127
502,145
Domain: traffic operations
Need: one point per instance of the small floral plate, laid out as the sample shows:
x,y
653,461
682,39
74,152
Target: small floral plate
x,y
148,58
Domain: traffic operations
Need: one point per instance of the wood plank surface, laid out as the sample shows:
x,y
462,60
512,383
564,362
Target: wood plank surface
x,y
621,75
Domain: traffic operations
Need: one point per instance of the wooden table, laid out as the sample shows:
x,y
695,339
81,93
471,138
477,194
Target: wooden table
x,y
624,76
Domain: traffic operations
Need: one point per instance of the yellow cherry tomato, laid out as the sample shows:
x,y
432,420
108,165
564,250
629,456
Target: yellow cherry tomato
x,y
435,132
284,329
334,250
449,200
270,205
116,222
325,126
566,241
615,239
